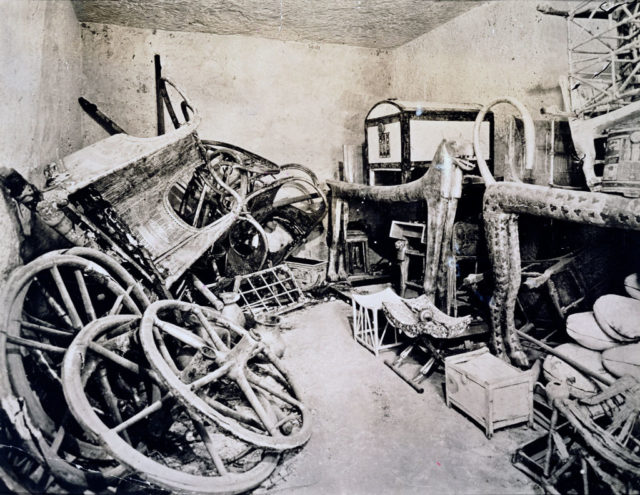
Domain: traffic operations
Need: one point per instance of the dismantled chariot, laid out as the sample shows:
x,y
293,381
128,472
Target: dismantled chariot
x,y
101,387
125,363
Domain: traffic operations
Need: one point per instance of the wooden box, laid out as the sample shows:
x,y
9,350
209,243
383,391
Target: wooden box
x,y
309,273
555,162
490,391
401,137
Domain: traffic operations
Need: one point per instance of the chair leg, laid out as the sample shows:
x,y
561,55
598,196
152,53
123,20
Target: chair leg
x,y
397,362
424,371
414,381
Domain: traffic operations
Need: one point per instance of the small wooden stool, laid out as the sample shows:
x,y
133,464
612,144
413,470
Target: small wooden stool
x,y
370,326
357,251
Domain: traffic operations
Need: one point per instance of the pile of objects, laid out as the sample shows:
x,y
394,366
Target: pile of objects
x,y
103,390
126,362
590,403
607,342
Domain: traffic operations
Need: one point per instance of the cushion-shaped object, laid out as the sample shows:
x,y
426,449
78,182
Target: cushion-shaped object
x,y
623,360
584,329
619,317
580,386
632,285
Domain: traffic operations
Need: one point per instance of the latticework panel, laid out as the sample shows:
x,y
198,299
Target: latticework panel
x,y
604,51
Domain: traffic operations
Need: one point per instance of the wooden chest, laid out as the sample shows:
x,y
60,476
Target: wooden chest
x,y
490,391
401,137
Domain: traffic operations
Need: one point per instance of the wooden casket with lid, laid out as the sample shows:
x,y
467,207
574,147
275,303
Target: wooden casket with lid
x,y
490,391
401,137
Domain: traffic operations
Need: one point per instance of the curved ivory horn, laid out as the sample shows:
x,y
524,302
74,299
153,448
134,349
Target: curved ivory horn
x,y
529,138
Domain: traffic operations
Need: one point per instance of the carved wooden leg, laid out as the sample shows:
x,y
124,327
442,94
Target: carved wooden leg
x,y
335,215
342,239
496,232
403,266
516,353
447,263
436,212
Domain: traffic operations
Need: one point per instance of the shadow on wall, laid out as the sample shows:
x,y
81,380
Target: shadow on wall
x,y
42,72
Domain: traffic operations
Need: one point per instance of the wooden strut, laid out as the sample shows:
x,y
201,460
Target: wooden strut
x,y
582,369
159,99
103,120
610,444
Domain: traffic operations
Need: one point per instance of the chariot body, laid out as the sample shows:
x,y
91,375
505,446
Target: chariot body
x,y
86,405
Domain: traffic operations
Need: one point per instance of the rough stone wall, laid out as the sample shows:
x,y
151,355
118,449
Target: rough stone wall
x,y
498,49
288,101
39,85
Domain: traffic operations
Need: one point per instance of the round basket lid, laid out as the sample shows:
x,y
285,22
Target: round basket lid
x,y
619,317
623,360
580,386
632,285
584,329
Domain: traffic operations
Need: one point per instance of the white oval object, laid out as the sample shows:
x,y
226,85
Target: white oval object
x,y
632,285
584,329
619,317
580,386
623,360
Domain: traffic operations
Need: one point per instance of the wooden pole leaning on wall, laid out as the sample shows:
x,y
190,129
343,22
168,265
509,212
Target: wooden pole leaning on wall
x,y
103,120
159,99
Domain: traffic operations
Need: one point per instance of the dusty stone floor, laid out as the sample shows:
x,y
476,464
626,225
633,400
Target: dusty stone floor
x,y
373,434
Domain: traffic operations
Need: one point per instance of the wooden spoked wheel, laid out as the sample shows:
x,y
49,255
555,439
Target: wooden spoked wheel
x,y
244,160
122,403
248,246
47,302
215,189
300,193
220,372
116,270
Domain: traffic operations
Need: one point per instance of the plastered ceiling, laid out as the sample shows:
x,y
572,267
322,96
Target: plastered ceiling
x,y
369,23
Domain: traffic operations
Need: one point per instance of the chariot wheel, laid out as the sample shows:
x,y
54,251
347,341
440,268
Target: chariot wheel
x,y
304,194
220,372
244,160
116,270
288,170
47,302
248,246
228,164
122,404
